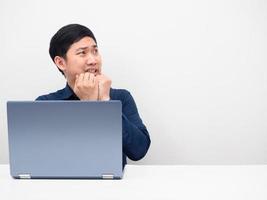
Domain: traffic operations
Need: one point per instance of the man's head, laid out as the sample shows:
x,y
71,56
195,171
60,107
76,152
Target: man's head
x,y
74,50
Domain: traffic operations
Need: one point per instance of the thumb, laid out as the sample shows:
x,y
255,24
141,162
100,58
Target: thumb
x,y
76,80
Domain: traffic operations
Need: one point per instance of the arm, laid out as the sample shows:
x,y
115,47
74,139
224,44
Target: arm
x,y
41,98
136,140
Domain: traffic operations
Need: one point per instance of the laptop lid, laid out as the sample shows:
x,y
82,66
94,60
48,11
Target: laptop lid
x,y
65,139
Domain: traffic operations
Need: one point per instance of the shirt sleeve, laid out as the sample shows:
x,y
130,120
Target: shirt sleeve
x,y
40,98
136,140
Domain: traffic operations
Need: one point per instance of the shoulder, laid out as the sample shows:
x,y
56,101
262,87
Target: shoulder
x,y
120,94
128,103
58,95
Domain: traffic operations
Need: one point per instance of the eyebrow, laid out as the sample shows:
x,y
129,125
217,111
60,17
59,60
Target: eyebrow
x,y
87,47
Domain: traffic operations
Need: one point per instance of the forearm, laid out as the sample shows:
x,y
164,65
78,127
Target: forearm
x,y
136,140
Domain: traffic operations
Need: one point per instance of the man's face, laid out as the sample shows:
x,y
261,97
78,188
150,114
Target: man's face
x,y
82,56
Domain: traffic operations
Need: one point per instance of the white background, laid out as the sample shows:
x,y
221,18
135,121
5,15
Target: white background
x,y
196,68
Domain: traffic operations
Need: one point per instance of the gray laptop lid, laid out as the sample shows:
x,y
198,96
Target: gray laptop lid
x,y
65,139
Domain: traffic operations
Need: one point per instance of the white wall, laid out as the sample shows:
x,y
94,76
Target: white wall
x,y
196,68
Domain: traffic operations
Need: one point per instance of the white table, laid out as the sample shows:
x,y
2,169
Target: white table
x,y
142,182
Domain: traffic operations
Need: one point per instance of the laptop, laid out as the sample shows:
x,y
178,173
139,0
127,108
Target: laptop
x,y
65,139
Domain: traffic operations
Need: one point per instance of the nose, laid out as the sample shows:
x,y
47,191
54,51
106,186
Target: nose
x,y
91,60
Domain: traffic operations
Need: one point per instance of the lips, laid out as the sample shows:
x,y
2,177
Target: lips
x,y
92,70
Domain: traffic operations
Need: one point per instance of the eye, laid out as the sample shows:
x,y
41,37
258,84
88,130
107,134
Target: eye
x,y
95,51
81,53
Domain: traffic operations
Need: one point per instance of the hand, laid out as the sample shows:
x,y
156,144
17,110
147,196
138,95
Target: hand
x,y
104,87
86,86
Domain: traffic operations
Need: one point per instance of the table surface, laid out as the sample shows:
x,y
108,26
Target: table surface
x,y
148,182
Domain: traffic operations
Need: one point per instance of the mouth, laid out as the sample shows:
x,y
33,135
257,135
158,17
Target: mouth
x,y
93,71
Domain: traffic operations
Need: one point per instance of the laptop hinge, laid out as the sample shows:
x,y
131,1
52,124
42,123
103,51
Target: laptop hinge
x,y
108,176
24,176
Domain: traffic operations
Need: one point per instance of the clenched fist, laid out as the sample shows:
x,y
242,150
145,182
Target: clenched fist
x,y
89,86
104,87
86,86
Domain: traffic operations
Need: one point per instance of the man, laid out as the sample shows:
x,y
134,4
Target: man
x,y
74,51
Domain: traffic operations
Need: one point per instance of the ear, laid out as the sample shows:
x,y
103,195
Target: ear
x,y
60,62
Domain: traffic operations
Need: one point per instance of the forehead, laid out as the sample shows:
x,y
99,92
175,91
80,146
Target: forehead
x,y
84,42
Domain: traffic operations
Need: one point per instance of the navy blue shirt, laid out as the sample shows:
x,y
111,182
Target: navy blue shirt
x,y
136,140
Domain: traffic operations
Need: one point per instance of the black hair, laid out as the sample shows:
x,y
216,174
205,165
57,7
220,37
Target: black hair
x,y
65,37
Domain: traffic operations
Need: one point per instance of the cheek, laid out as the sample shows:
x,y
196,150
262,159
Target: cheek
x,y
99,60
76,66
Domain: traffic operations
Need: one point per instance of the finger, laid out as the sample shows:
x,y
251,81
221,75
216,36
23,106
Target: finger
x,y
80,80
91,78
97,77
76,84
81,76
86,78
100,78
76,80
96,80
